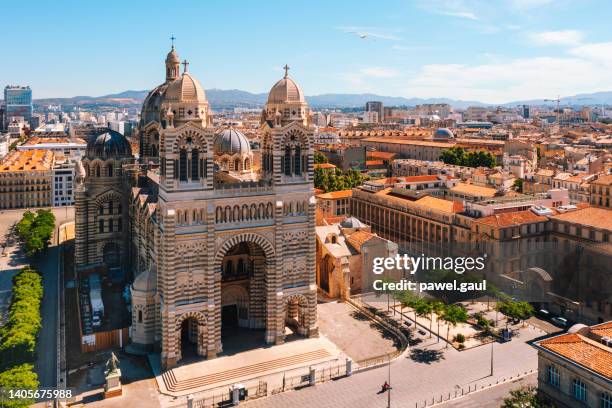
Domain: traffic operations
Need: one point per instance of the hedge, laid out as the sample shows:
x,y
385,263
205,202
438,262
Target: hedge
x,y
35,230
21,377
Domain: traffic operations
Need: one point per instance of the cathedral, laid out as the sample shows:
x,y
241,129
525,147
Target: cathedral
x,y
218,242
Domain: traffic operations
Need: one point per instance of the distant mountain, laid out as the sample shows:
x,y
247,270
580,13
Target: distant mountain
x,y
228,98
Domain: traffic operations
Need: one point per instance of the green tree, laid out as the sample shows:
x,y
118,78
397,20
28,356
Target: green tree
x,y
423,308
320,158
455,155
518,185
453,315
437,307
20,377
524,397
458,156
35,231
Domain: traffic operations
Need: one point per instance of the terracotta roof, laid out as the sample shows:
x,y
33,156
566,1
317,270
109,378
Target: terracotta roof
x,y
374,163
603,180
358,238
381,155
440,204
511,219
324,166
602,329
582,351
471,189
27,160
420,179
588,216
336,194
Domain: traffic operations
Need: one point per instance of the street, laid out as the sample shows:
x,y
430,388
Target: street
x,y
48,265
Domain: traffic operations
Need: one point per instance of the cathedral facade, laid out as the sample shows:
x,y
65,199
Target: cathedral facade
x,y
215,245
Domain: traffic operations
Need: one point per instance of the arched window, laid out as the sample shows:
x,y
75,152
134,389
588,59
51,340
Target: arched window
x,y
237,165
195,162
110,225
297,161
183,165
119,225
140,316
100,225
287,161
97,170
110,170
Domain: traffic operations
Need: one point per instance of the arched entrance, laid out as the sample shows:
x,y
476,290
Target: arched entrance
x,y
242,264
295,312
191,336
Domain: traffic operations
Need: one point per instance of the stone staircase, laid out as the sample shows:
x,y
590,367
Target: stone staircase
x,y
174,384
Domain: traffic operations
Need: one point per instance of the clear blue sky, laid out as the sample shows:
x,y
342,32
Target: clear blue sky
x,y
492,51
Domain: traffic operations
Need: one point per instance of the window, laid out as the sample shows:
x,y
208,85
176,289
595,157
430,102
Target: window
x,y
183,165
579,390
297,161
110,225
119,225
100,226
110,171
606,400
287,161
140,316
553,376
195,162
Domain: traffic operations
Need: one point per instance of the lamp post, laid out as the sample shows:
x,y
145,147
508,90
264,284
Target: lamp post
x,y
389,382
492,358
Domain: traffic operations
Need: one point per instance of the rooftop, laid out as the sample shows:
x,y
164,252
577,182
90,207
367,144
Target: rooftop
x,y
334,195
27,160
582,350
512,219
471,189
357,239
408,142
588,216
440,204
324,166
603,180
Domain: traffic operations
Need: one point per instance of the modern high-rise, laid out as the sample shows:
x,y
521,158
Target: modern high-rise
x,y
375,106
18,102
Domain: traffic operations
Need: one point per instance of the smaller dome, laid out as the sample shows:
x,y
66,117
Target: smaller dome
x,y
109,144
352,222
185,89
578,328
146,281
173,57
286,90
444,133
231,141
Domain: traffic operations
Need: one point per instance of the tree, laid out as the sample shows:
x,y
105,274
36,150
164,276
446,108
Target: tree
x,y
524,397
406,299
35,231
518,185
437,307
320,158
454,155
515,310
19,377
423,308
453,315
458,156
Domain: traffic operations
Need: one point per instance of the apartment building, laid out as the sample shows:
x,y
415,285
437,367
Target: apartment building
x,y
25,179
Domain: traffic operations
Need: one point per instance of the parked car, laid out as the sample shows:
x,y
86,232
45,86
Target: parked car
x,y
407,323
544,313
560,321
422,332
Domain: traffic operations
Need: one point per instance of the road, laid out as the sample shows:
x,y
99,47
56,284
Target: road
x,y
48,265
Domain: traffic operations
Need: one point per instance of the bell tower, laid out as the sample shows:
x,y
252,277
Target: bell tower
x,y
172,63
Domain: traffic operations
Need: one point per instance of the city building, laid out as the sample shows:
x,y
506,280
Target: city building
x,y
4,144
345,257
375,106
25,179
18,103
333,205
600,191
408,149
370,117
63,183
73,149
215,247
575,368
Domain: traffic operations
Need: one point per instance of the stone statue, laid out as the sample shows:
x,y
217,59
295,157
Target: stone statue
x,y
112,365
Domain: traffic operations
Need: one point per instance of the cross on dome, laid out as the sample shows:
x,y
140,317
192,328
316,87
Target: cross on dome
x,y
185,65
286,68
172,38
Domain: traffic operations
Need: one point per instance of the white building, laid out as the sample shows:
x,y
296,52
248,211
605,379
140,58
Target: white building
x,y
4,145
370,117
62,187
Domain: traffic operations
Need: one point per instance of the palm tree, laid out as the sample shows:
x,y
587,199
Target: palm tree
x,y
453,315
406,299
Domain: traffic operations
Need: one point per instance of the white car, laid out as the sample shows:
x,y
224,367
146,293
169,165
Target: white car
x,y
560,321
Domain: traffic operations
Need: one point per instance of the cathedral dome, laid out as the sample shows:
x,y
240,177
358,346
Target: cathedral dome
x,y
286,90
151,107
443,133
185,89
231,141
109,144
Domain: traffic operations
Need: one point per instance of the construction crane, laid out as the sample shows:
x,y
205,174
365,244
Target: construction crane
x,y
558,100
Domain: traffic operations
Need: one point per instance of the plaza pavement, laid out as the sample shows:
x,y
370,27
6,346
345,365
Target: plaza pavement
x,y
429,372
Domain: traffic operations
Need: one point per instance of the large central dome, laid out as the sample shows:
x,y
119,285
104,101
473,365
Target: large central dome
x,y
286,90
185,89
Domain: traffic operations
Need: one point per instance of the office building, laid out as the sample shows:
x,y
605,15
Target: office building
x,y
375,106
18,102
